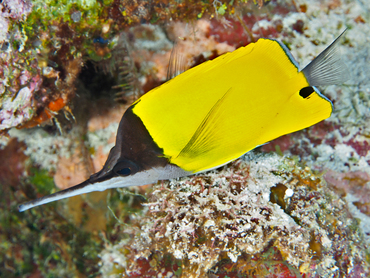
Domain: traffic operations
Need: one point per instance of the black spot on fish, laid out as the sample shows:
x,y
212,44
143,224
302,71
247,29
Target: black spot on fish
x,y
306,92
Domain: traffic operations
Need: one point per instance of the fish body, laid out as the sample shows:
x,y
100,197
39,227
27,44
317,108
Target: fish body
x,y
221,109
214,113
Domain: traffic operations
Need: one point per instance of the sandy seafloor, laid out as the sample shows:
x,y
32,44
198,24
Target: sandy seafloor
x,y
298,206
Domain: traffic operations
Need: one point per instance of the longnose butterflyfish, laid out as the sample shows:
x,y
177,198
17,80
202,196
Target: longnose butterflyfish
x,y
214,113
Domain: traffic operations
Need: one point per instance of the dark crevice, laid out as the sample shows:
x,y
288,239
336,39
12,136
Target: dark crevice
x,y
98,83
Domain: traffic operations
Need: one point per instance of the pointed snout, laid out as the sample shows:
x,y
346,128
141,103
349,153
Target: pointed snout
x,y
78,189
87,186
107,181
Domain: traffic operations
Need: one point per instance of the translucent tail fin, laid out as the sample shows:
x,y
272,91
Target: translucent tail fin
x,y
327,68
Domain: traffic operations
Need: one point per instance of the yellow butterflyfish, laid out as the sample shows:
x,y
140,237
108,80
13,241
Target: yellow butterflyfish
x,y
214,113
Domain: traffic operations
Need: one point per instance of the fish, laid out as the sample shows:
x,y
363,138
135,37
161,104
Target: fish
x,y
214,113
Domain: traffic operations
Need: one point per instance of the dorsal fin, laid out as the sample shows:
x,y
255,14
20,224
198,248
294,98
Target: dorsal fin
x,y
176,64
327,68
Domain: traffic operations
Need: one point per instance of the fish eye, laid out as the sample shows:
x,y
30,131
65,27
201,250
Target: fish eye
x,y
124,172
306,92
125,167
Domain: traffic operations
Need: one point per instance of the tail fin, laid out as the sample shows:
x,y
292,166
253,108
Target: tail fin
x,y
327,68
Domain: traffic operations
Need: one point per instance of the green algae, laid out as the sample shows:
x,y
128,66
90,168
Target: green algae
x,y
42,180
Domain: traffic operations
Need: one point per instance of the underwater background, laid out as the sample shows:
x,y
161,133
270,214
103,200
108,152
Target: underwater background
x,y
296,207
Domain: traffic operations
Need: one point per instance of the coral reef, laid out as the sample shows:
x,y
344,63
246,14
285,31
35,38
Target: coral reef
x,y
260,204
305,213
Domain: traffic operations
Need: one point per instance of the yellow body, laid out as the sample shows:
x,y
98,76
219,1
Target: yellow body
x,y
221,109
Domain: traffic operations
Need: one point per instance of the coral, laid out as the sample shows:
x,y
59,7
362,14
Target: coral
x,y
249,24
42,148
16,10
262,205
339,147
14,168
24,76
45,44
